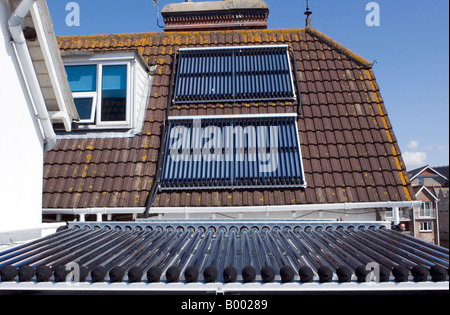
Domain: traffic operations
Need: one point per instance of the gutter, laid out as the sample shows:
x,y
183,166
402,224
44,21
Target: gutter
x,y
29,73
286,208
214,210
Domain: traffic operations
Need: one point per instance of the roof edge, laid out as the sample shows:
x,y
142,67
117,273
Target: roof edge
x,y
342,49
309,30
422,169
427,190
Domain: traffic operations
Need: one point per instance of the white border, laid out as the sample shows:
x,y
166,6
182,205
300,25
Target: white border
x,y
112,59
92,95
255,116
233,47
222,288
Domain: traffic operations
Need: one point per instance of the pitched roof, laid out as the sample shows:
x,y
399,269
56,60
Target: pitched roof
x,y
349,150
441,171
418,189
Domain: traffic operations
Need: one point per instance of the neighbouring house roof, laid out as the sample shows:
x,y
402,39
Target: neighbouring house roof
x,y
348,147
424,189
441,171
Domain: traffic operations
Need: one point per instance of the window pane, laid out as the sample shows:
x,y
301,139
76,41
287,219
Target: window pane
x,y
82,78
114,93
84,107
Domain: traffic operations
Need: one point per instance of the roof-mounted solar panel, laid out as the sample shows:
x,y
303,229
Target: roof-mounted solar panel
x,y
220,152
254,73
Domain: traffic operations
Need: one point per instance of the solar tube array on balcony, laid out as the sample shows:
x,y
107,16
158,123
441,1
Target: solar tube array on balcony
x,y
234,151
238,251
234,74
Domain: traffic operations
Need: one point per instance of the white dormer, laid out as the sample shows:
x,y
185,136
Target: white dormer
x,y
110,90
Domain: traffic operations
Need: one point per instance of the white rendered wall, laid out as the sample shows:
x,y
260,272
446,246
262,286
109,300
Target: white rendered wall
x,y
21,142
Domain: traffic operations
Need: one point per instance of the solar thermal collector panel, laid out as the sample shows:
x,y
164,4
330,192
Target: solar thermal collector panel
x,y
249,73
212,152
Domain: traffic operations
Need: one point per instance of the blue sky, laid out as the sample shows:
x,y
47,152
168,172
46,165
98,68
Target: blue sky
x,y
411,45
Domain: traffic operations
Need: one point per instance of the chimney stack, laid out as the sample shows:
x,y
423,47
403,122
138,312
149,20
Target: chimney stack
x,y
215,15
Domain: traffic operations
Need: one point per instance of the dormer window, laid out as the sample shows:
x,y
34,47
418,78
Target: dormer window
x,y
105,89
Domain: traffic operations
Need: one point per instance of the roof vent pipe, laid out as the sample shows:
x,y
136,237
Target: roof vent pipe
x,y
308,13
28,71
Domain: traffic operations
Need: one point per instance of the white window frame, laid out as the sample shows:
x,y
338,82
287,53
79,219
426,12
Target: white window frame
x,y
426,226
92,95
101,60
426,212
389,213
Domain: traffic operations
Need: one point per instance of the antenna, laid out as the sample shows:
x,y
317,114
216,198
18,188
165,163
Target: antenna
x,y
156,4
308,13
